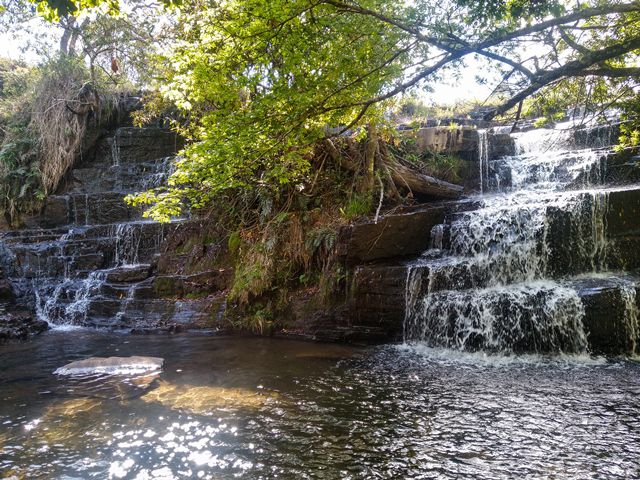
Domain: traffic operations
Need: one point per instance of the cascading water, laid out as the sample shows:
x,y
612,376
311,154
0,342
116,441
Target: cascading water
x,y
86,269
483,157
631,314
127,249
115,151
75,310
160,173
495,277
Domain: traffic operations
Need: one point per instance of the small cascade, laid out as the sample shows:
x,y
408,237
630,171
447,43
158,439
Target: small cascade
x,y
125,304
89,259
115,151
599,209
127,247
540,316
160,172
68,302
498,277
437,237
483,157
629,296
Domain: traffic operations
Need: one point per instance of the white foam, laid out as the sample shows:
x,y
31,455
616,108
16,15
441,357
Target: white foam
x,y
447,356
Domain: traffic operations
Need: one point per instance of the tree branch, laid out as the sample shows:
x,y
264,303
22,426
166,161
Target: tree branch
x,y
574,68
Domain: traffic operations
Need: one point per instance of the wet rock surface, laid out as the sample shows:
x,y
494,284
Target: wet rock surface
x,y
392,236
112,366
537,265
610,305
89,259
20,325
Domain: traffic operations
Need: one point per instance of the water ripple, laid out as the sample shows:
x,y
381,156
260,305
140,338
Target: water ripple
x,y
255,408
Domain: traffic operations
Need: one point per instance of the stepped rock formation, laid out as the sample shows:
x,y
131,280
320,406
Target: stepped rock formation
x,y
542,261
91,260
540,256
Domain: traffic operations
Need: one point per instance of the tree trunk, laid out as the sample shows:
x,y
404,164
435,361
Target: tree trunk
x,y
64,40
370,158
69,35
400,175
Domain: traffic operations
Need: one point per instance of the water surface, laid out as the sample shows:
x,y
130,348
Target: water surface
x,y
267,408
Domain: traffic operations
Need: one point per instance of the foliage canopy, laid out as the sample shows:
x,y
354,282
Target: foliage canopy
x,y
262,81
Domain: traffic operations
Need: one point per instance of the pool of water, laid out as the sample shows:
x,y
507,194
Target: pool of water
x,y
267,408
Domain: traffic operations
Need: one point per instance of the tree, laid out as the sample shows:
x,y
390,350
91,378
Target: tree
x,y
120,45
57,9
262,81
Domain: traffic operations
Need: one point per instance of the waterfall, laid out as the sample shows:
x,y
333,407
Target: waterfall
x,y
160,173
631,316
483,157
127,237
598,231
69,301
437,236
127,301
88,259
539,316
115,151
498,280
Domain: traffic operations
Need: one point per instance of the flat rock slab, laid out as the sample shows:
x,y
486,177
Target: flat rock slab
x,y
112,366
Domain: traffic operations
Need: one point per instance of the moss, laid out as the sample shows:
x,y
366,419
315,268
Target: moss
x,y
234,242
195,295
168,286
187,246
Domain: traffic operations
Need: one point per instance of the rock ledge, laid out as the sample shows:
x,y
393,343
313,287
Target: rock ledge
x,y
111,366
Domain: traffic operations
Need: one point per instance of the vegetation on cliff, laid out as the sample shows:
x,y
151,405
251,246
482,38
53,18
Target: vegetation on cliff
x,y
44,114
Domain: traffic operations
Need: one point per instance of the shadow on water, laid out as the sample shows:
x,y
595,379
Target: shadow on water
x,y
261,408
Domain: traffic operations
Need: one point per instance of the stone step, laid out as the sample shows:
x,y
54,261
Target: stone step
x,y
396,235
574,170
126,313
135,145
129,273
599,136
32,235
587,231
84,209
83,250
612,305
125,178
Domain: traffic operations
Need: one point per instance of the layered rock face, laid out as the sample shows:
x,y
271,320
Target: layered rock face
x,y
539,257
543,261
89,259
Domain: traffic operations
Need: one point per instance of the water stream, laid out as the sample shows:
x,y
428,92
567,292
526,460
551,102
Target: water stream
x,y
501,277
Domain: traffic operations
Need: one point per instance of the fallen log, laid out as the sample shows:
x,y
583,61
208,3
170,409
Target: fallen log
x,y
415,181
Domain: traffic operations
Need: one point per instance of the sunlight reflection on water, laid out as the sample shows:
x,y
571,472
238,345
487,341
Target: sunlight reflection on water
x,y
260,408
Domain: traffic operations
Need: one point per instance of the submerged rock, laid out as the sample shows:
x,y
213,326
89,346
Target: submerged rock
x,y
206,399
63,422
112,387
112,366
